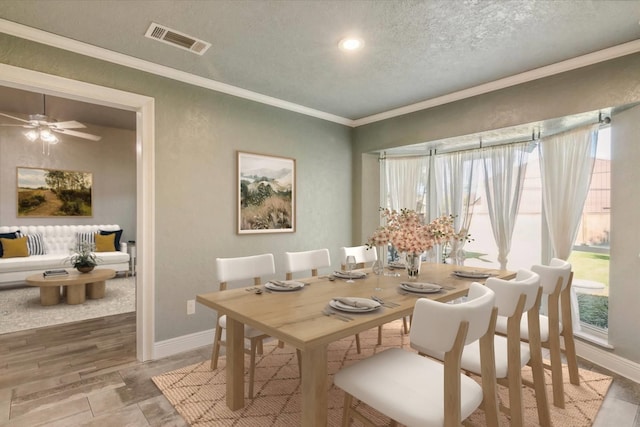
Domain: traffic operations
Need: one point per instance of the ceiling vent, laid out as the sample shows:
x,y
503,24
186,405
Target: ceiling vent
x,y
177,39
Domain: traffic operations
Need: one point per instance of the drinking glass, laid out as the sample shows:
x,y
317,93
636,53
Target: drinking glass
x,y
378,270
350,263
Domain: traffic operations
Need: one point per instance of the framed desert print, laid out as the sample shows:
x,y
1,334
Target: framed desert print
x,y
266,194
54,193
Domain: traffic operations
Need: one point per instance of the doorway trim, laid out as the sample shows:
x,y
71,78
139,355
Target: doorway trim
x,y
144,107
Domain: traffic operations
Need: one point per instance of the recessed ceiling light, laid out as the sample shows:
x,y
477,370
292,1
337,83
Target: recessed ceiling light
x,y
350,44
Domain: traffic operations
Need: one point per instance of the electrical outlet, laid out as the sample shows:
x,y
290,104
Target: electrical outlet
x,y
191,306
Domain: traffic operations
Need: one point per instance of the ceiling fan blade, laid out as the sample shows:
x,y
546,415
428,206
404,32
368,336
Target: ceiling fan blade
x,y
71,124
78,134
20,126
15,118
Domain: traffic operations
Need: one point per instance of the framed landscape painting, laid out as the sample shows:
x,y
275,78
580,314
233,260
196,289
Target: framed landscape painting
x,y
54,193
266,194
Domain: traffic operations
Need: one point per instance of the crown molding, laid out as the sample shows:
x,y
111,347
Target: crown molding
x,y
86,49
75,46
538,73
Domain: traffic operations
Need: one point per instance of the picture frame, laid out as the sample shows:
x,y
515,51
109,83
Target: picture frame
x,y
266,195
51,193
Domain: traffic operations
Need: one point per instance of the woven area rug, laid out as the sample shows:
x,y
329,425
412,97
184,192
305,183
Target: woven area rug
x,y
198,393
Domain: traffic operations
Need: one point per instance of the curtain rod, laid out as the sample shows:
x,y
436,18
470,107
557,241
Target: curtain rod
x,y
602,120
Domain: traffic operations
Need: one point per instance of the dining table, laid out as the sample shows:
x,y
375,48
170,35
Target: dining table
x,y
304,319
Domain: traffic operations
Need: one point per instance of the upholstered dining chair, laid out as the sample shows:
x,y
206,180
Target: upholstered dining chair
x,y
306,260
364,256
555,280
418,391
513,299
237,270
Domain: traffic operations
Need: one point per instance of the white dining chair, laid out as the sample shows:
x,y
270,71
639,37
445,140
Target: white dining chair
x,y
238,270
365,257
295,262
514,298
555,280
418,391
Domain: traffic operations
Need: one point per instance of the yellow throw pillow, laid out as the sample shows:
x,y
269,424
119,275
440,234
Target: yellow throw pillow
x,y
13,248
105,243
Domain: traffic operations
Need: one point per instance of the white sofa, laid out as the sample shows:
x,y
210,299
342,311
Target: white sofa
x,y
59,242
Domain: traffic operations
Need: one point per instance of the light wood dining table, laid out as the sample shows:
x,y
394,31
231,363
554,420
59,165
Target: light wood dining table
x,y
297,319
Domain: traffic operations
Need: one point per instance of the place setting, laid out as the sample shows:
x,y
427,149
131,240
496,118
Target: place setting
x,y
351,305
284,285
354,275
470,274
420,287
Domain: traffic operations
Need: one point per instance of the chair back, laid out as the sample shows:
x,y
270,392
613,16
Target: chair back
x,y
244,268
552,273
307,260
362,254
508,292
429,332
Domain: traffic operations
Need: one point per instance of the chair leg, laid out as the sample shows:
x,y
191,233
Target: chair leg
x,y
260,348
216,347
567,335
252,364
515,396
346,410
556,369
572,358
405,327
380,335
358,343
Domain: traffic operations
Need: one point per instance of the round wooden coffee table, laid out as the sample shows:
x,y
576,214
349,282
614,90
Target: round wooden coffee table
x,y
77,286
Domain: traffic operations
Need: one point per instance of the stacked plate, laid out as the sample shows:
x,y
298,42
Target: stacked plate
x,y
397,264
354,304
284,285
471,274
421,287
353,275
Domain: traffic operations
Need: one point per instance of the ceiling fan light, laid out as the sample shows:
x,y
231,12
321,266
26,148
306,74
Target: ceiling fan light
x,y
31,135
47,136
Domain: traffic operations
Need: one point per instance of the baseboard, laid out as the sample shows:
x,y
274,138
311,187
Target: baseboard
x,y
608,360
181,344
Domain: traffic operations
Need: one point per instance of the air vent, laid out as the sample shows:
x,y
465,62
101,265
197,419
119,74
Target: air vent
x,y
177,39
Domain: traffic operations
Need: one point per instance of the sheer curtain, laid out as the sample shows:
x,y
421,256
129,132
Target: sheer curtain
x,y
566,165
456,181
407,182
504,167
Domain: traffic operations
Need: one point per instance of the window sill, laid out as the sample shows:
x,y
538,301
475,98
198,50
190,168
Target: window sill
x,y
593,336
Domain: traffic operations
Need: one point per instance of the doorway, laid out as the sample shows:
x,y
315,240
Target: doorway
x,y
47,84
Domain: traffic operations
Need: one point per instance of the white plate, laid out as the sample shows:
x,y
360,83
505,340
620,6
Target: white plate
x,y
291,286
431,289
344,307
354,275
396,265
471,274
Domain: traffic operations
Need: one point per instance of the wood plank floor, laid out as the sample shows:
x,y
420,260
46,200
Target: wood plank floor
x,y
86,374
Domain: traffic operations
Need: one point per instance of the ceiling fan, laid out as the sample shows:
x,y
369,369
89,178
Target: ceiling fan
x,y
42,128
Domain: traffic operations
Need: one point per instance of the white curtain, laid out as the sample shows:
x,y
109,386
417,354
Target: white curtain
x,y
456,178
566,166
407,182
505,167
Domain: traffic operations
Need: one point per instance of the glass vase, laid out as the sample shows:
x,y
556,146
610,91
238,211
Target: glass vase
x,y
413,262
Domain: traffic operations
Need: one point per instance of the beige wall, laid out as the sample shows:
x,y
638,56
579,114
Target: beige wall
x,y
112,161
197,134
609,84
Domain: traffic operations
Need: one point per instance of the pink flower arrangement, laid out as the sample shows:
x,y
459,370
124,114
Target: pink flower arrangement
x,y
406,231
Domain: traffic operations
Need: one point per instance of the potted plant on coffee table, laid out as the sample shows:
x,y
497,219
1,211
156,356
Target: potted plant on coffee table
x,y
83,259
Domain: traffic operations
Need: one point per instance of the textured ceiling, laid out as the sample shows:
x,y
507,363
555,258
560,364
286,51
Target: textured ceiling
x,y
415,50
